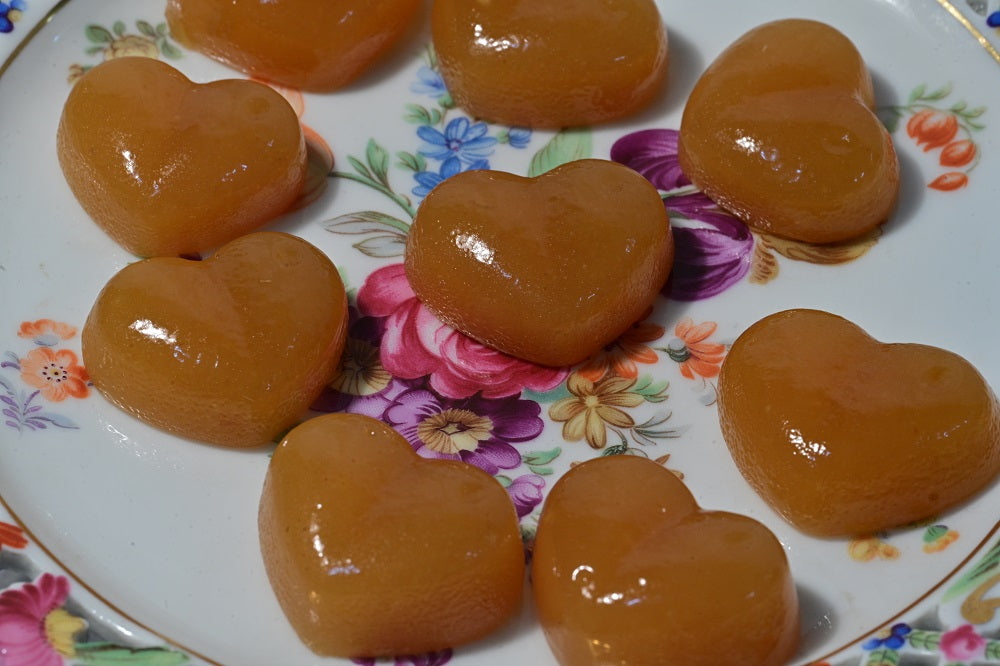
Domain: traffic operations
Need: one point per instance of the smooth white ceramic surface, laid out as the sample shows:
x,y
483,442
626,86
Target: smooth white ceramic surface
x,y
157,536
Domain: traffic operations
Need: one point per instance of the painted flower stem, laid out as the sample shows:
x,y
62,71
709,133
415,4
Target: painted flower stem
x,y
398,199
666,195
103,652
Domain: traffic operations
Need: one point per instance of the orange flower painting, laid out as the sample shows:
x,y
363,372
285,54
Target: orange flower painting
x,y
871,548
51,374
620,357
46,331
957,153
56,373
11,536
931,128
946,182
697,356
935,124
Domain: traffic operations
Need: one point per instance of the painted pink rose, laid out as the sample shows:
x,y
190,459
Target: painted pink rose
x,y
417,344
962,644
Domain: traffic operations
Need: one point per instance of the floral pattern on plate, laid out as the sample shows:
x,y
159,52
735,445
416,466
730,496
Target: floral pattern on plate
x,y
149,40
431,659
961,631
11,12
41,625
417,377
947,128
713,249
988,10
51,375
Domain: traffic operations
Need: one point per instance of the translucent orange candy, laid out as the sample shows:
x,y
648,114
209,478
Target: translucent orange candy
x,y
231,350
627,569
844,435
305,44
168,167
549,269
372,550
781,131
550,64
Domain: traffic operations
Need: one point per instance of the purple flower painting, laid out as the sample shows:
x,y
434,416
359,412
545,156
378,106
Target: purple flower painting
x,y
713,249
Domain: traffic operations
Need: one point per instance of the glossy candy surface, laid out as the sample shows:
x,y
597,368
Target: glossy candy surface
x,y
317,46
550,64
372,550
781,131
168,167
549,269
628,570
231,350
844,435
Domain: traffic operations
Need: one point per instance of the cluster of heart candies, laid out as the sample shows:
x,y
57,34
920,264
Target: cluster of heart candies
x,y
372,550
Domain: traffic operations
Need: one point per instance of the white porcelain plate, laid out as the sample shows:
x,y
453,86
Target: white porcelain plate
x,y
120,542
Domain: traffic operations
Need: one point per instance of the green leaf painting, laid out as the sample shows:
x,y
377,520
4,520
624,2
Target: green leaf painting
x,y
566,146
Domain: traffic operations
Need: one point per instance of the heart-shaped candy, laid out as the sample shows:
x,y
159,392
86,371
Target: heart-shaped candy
x,y
627,569
781,131
550,64
168,167
373,551
231,350
844,435
303,44
549,269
